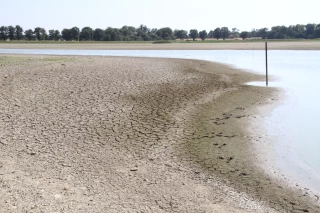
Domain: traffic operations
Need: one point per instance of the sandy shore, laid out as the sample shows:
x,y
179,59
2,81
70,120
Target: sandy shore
x,y
116,134
295,45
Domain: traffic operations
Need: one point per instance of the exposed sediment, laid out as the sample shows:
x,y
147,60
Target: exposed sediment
x,y
116,134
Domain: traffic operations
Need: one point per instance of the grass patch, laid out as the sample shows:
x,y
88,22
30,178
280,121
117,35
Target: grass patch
x,y
162,42
13,60
56,59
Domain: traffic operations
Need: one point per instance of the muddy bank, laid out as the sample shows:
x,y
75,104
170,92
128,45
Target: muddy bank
x,y
120,134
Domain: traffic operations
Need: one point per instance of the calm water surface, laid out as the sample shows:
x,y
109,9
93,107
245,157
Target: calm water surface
x,y
294,124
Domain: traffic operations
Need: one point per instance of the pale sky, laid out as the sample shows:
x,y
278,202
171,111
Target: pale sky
x,y
177,14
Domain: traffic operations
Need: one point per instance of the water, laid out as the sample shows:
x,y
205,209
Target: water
x,y
294,123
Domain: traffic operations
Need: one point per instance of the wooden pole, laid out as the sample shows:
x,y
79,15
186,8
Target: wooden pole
x,y
266,63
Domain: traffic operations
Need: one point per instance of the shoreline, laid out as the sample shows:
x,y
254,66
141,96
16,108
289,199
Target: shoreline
x,y
275,45
196,136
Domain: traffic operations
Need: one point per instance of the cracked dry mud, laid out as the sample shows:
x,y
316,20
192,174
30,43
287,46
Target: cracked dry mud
x,y
116,134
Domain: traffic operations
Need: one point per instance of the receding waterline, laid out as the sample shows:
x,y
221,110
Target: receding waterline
x,y
297,71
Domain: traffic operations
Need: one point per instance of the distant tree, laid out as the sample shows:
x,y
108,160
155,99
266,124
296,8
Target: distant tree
x,y
211,34
29,34
255,33
235,33
278,32
4,33
86,34
98,34
263,33
127,32
194,34
143,35
203,35
225,33
19,32
66,34
51,35
54,35
153,30
44,35
40,33
57,35
11,33
154,37
217,33
310,29
165,33
181,34
113,34
317,31
144,28
75,33
244,35
293,31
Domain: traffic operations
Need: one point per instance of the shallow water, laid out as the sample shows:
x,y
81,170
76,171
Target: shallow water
x,y
294,124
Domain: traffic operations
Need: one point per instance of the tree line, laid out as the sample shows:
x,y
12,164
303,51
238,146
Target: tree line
x,y
143,33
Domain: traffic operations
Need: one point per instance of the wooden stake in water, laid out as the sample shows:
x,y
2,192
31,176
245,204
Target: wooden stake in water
x,y
266,63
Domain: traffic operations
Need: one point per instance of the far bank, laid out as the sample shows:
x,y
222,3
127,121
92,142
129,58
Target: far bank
x,y
246,45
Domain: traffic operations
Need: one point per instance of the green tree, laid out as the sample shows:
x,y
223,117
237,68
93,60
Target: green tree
x,y
263,33
244,35
317,31
310,29
217,33
278,32
86,34
11,33
127,33
57,35
54,35
113,34
44,35
4,33
75,33
225,33
40,33
211,34
19,32
29,34
180,34
144,28
255,33
193,34
235,33
203,35
66,34
295,31
165,33
51,35
98,34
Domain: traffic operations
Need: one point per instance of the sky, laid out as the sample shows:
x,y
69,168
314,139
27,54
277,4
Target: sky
x,y
176,14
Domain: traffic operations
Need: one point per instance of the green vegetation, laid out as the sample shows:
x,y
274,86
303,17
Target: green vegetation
x,y
162,42
203,35
194,34
244,35
12,60
56,59
145,34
